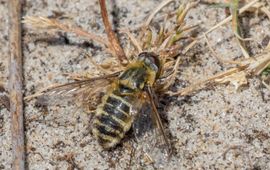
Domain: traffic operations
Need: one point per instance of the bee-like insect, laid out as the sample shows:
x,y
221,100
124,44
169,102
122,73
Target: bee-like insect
x,y
114,116
125,95
129,91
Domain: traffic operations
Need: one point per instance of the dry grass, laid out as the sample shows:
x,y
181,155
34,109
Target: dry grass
x,y
248,67
165,42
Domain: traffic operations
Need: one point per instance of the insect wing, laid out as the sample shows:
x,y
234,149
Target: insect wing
x,y
149,138
85,92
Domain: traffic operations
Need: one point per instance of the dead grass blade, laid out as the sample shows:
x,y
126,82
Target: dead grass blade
x,y
236,27
266,85
184,11
226,20
220,59
158,8
46,23
236,76
134,41
203,83
266,11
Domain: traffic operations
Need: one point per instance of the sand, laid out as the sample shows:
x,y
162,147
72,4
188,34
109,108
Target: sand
x,y
214,128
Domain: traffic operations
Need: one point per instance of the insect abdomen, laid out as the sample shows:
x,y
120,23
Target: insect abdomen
x,y
112,120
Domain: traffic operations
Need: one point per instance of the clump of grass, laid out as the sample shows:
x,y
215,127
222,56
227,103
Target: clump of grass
x,y
245,68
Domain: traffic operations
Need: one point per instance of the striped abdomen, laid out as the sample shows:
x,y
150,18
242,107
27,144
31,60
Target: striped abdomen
x,y
112,120
114,116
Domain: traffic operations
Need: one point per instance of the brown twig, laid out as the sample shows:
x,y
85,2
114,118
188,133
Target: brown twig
x,y
15,85
111,35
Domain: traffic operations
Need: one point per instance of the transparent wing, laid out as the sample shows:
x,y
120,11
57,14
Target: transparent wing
x,y
150,134
85,92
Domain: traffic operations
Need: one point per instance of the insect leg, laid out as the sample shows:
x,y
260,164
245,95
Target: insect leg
x,y
157,118
170,77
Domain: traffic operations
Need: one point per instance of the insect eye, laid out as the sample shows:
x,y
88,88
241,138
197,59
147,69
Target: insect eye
x,y
141,57
152,63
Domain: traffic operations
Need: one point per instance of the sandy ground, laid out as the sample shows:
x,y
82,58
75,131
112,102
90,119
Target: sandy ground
x,y
215,128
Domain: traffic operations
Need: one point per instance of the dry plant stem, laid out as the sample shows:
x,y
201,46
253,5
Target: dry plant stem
x,y
243,9
173,76
266,11
162,5
188,90
83,33
220,59
134,41
251,66
266,85
183,14
114,43
42,22
236,28
188,47
15,85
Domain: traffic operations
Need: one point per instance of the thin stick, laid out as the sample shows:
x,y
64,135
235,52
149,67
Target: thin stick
x,y
111,36
15,86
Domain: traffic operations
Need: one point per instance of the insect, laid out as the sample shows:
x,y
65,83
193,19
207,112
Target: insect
x,y
114,114
126,94
128,91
